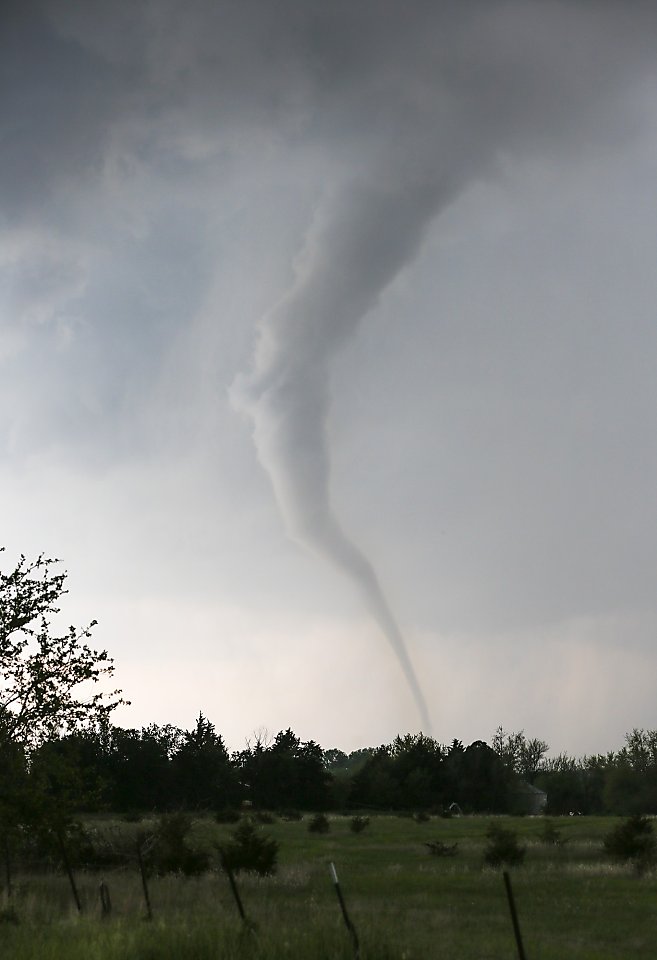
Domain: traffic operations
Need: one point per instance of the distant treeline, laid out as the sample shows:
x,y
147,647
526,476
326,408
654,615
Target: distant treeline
x,y
165,768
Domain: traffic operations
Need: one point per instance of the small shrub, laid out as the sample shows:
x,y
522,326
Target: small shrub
x,y
633,841
421,816
358,824
262,816
250,851
48,844
227,815
550,836
292,815
439,849
132,816
170,852
110,847
319,824
503,848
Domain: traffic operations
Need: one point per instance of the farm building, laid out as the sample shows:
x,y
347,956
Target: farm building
x,y
530,799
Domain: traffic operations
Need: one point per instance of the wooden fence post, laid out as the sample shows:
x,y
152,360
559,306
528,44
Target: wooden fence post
x,y
343,907
514,916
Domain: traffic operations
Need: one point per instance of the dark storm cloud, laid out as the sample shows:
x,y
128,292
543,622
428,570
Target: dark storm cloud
x,y
421,150
135,134
56,102
112,115
336,73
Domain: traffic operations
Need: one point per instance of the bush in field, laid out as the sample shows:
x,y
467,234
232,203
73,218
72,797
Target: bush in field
x,y
108,847
421,816
633,841
358,824
439,849
249,850
227,815
171,853
319,824
49,842
291,815
132,816
550,836
263,816
503,848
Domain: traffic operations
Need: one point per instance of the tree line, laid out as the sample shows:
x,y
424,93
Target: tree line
x,y
164,768
60,751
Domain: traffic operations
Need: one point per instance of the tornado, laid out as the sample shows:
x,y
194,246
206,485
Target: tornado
x,y
412,127
362,236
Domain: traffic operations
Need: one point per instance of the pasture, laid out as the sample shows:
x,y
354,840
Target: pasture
x,y
573,904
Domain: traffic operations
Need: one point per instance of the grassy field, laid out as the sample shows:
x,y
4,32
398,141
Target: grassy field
x,y
404,903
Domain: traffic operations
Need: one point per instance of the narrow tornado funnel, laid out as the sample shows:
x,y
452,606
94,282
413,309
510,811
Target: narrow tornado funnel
x,y
361,239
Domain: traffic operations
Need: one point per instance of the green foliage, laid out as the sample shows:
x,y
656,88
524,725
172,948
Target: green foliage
x,y
522,756
477,779
263,816
403,901
171,852
550,835
227,815
502,848
319,824
633,841
285,773
201,774
136,766
358,824
438,848
132,816
9,915
45,676
250,850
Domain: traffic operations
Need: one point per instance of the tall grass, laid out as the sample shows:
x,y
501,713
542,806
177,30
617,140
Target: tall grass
x,y
572,901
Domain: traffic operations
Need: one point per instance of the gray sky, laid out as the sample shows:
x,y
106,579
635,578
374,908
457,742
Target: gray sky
x,y
290,291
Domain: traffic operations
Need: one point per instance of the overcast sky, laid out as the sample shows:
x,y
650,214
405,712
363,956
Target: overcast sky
x,y
299,294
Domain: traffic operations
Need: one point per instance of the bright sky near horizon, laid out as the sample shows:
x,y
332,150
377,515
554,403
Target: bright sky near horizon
x,y
281,278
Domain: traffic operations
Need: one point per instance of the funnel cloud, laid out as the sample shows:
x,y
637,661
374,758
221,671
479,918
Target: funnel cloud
x,y
449,127
363,237
420,231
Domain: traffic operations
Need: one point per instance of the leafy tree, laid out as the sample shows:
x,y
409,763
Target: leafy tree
x,y
358,824
479,780
336,760
202,773
285,773
524,757
250,850
630,776
319,823
46,692
634,841
171,851
503,848
640,750
45,676
406,774
375,785
14,798
137,765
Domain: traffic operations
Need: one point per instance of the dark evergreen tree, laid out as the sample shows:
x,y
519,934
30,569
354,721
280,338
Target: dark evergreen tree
x,y
287,773
202,775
